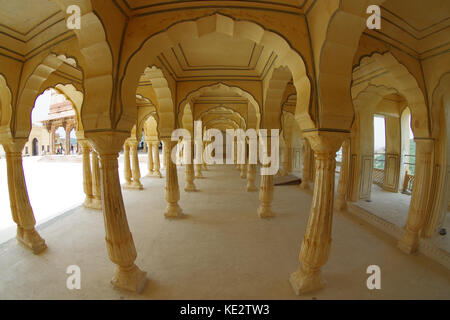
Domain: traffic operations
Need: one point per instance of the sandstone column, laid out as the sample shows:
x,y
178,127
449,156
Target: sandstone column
x,y
251,170
317,239
119,240
420,196
243,167
21,210
97,201
156,166
136,184
172,189
266,190
199,166
67,140
190,186
87,175
341,199
306,165
198,171
150,159
52,140
203,166
127,166
163,163
285,164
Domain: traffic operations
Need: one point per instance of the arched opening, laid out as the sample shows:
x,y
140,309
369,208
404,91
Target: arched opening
x,y
35,147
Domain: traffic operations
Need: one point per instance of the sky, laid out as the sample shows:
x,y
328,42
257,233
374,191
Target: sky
x,y
379,133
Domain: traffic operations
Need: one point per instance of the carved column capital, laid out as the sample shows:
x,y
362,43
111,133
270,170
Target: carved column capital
x,y
325,141
107,142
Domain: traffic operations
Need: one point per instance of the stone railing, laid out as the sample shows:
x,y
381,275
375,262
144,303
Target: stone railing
x,y
378,176
408,183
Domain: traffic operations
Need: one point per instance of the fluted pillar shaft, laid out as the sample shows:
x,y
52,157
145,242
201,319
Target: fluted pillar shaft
x,y
67,141
52,141
127,164
119,240
87,174
136,172
204,166
199,166
172,189
287,159
341,198
21,209
236,165
306,168
251,174
243,167
251,170
418,208
150,159
96,186
190,186
156,165
266,191
266,197
317,239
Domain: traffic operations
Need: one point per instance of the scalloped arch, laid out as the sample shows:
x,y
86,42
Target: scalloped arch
x,y
5,105
194,29
440,95
218,86
97,68
341,40
215,123
76,97
398,78
242,123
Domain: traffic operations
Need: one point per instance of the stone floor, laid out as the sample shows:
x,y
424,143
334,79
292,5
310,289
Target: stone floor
x,y
394,208
221,250
54,184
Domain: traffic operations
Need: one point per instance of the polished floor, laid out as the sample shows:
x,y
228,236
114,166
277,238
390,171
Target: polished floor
x,y
220,250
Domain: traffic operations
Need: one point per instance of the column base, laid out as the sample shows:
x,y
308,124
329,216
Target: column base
x,y
340,204
87,202
96,204
199,177
265,212
133,186
304,185
173,211
154,174
190,188
304,282
243,176
251,188
409,243
31,239
129,278
157,174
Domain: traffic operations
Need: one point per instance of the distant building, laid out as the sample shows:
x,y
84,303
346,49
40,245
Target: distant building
x,y
43,139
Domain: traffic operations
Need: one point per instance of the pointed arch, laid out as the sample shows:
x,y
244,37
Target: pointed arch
x,y
97,67
398,77
5,106
215,23
337,41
